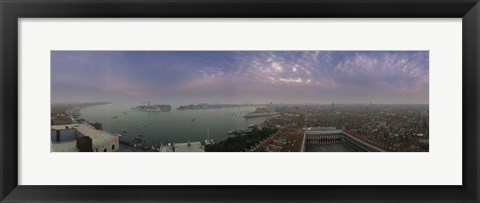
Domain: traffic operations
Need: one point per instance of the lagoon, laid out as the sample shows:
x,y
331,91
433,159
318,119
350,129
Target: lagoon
x,y
173,126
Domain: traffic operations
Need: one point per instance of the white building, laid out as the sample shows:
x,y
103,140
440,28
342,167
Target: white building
x,y
102,141
331,135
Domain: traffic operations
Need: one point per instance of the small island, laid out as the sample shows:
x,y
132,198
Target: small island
x,y
260,112
153,108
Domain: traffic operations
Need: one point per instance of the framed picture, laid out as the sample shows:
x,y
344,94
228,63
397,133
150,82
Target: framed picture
x,y
229,101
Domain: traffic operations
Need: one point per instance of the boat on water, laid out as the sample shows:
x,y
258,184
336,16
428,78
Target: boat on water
x,y
140,135
193,119
115,117
124,131
136,142
209,140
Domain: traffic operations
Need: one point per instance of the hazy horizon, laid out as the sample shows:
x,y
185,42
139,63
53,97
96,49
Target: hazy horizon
x,y
239,77
212,103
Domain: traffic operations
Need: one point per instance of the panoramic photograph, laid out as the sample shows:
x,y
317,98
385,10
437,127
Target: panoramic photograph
x,y
239,101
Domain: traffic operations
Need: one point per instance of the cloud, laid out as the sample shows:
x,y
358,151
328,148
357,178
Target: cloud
x,y
398,71
332,74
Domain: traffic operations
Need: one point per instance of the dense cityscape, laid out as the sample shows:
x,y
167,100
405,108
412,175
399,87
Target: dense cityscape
x,y
391,128
388,127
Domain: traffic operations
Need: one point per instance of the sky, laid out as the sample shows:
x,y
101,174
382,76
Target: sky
x,y
191,77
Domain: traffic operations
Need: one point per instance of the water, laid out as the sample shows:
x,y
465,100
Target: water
x,y
174,126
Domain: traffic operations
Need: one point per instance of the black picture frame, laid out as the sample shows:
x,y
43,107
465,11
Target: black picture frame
x,y
12,10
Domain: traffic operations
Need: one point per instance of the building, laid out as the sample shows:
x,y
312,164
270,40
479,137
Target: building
x,y
330,139
71,138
